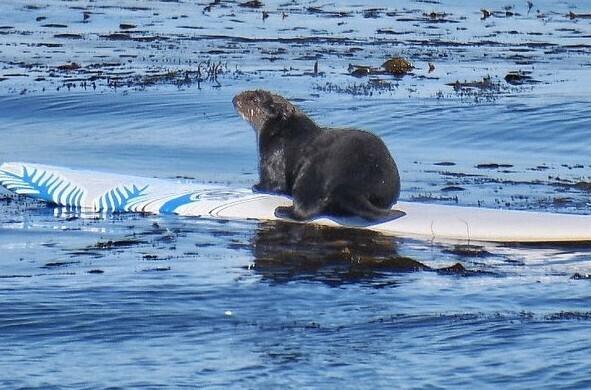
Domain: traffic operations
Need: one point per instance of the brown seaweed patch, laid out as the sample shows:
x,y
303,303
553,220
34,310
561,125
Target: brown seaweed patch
x,y
485,84
127,26
445,164
117,36
485,90
561,201
104,65
398,66
57,264
493,166
252,4
458,174
389,31
16,75
583,186
361,70
373,13
15,276
49,44
391,264
68,36
187,27
506,13
459,269
374,86
468,251
69,67
438,17
6,199
85,252
540,168
54,25
133,8
157,269
209,6
204,72
116,75
330,14
573,15
569,315
115,244
519,77
452,189
429,197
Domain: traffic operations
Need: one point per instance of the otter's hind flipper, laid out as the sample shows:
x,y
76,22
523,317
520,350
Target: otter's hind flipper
x,y
394,214
287,212
291,212
359,205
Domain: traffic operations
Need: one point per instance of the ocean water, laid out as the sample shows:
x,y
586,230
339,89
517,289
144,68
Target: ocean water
x,y
147,301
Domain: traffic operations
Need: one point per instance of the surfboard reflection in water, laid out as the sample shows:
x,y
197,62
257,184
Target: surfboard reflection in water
x,y
286,251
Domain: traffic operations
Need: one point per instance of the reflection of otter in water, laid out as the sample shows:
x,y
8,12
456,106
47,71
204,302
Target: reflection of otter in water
x,y
288,251
326,171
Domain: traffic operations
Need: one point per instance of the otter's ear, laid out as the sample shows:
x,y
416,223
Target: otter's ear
x,y
276,111
282,111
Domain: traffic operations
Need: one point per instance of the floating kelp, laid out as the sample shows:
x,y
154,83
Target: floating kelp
x,y
485,84
519,77
397,66
252,4
573,15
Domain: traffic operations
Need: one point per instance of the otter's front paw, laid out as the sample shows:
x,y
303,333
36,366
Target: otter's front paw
x,y
285,212
257,188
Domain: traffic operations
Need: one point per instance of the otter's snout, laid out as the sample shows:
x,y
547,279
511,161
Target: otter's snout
x,y
241,103
256,107
236,102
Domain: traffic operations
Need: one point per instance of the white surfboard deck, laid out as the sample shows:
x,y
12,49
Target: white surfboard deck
x,y
105,192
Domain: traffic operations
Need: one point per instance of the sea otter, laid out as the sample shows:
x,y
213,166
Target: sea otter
x,y
338,172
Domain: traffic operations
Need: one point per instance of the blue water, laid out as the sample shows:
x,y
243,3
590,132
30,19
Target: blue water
x,y
145,301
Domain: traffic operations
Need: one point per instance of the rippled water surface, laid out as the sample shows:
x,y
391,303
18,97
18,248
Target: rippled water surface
x,y
503,120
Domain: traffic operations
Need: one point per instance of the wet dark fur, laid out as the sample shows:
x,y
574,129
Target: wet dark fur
x,y
325,171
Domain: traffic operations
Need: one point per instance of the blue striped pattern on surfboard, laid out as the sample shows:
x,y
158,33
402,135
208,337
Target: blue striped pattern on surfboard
x,y
121,198
44,185
107,192
48,184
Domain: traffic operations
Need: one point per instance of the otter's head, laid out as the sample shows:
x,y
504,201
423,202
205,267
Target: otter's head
x,y
258,107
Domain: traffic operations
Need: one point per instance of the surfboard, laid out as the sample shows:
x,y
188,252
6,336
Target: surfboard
x,y
107,192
